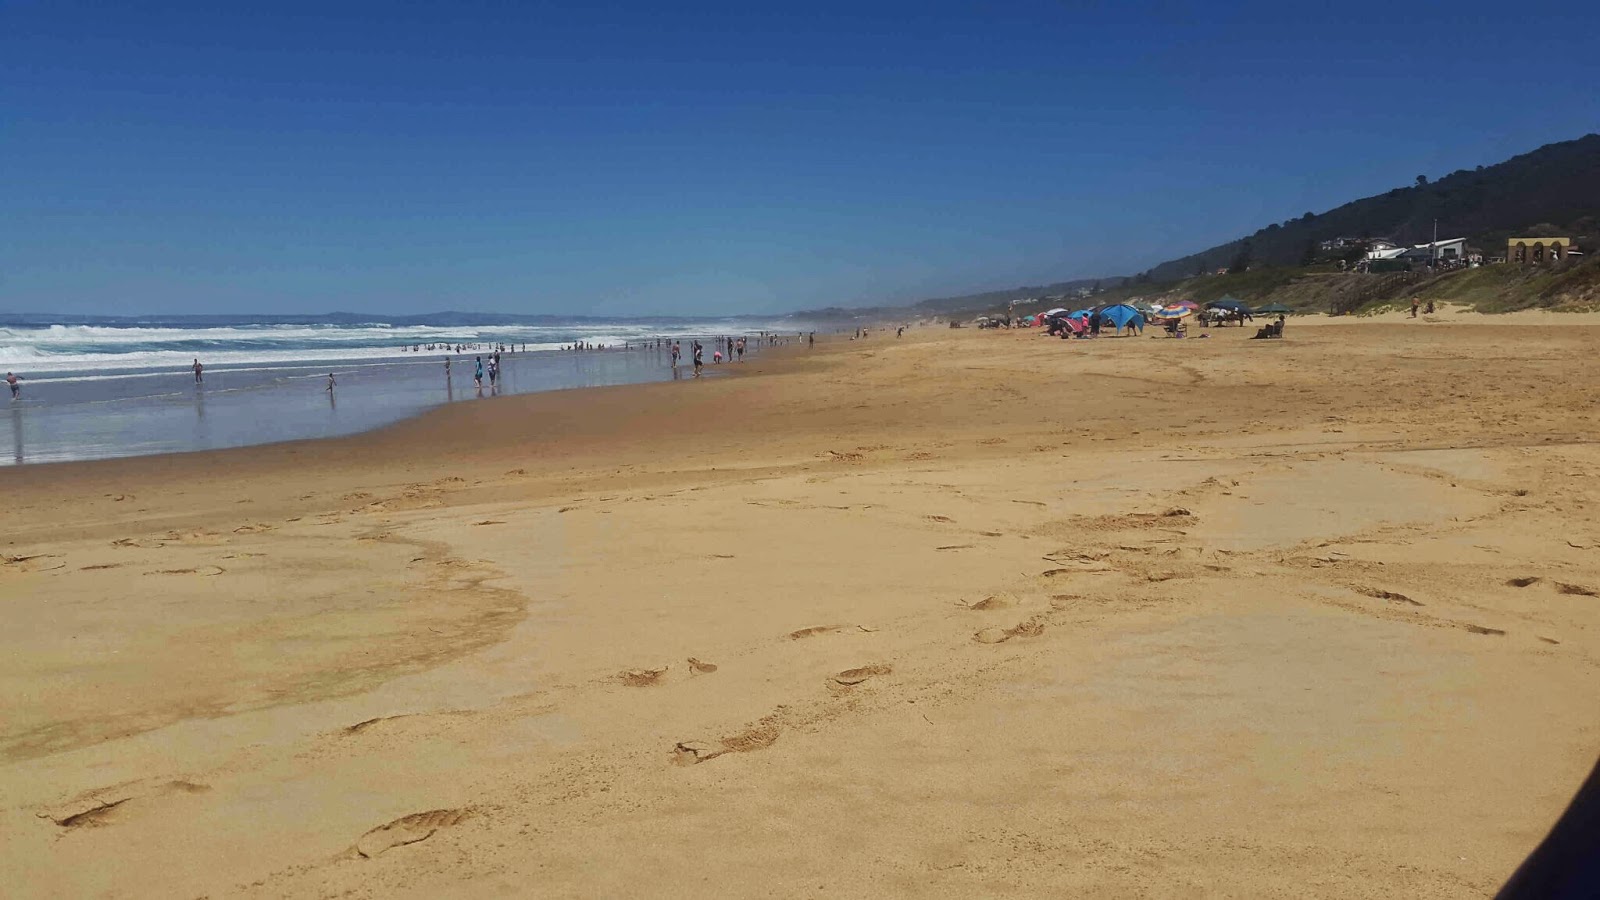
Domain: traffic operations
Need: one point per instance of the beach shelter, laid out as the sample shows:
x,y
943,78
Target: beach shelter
x,y
1055,312
1121,315
1229,303
1079,314
1279,308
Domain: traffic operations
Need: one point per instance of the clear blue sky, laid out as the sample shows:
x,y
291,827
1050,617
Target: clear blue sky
x,y
617,158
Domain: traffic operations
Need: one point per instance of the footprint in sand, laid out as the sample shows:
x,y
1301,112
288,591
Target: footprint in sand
x,y
93,810
641,677
816,630
99,813
853,677
1576,590
37,562
1391,596
1524,582
141,543
201,570
994,601
256,528
689,753
405,830
364,724
490,522
1030,628
700,667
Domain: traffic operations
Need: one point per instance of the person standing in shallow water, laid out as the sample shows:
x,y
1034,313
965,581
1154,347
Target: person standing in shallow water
x,y
11,381
197,370
477,376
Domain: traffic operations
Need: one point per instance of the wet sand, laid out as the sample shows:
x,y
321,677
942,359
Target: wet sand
x,y
967,613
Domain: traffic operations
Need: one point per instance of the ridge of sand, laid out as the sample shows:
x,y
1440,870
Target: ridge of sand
x,y
961,614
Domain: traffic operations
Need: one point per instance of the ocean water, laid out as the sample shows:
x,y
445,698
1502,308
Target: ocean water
x,y
94,391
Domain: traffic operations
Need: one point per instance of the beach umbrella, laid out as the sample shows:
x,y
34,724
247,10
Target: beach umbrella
x,y
1190,304
1229,305
1173,312
1055,312
1275,308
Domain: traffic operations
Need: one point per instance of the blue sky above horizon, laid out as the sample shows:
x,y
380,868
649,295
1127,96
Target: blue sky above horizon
x,y
712,158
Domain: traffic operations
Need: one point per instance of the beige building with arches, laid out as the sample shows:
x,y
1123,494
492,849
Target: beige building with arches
x,y
1537,249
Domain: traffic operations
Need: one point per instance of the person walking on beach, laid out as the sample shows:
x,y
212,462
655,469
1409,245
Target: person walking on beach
x,y
699,358
477,376
1414,304
11,381
677,353
447,368
741,349
330,382
197,370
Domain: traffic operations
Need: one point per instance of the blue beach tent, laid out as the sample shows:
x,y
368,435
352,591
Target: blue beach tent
x,y
1121,315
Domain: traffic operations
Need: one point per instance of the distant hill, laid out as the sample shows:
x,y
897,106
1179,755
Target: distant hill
x,y
964,303
1554,190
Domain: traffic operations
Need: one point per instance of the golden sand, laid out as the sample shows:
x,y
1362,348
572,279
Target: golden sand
x,y
963,614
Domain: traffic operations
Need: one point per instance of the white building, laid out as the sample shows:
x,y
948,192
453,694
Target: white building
x,y
1443,251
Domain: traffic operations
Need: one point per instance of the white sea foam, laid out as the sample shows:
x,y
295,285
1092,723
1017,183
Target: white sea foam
x,y
94,351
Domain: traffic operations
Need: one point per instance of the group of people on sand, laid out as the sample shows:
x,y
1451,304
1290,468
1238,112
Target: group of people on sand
x,y
1416,303
479,370
463,348
727,348
734,348
199,371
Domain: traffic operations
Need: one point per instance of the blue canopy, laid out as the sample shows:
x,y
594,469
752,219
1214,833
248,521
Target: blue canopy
x,y
1228,303
1122,315
1078,314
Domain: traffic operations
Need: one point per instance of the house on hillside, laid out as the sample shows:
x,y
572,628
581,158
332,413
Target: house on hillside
x,y
1537,250
1453,250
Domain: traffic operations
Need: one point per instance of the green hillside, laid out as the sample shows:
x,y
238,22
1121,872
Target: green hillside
x,y
1554,190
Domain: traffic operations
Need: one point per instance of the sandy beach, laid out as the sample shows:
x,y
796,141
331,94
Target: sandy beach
x,y
961,614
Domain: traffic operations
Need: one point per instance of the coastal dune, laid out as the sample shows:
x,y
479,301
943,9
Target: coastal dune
x,y
964,613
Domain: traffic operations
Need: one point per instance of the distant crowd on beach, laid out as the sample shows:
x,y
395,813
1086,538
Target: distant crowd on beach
x,y
724,348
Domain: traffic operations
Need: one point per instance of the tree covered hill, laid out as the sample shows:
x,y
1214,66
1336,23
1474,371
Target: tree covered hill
x,y
1552,190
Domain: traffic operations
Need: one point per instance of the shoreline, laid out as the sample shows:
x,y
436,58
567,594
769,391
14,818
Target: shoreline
x,y
1147,614
273,407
